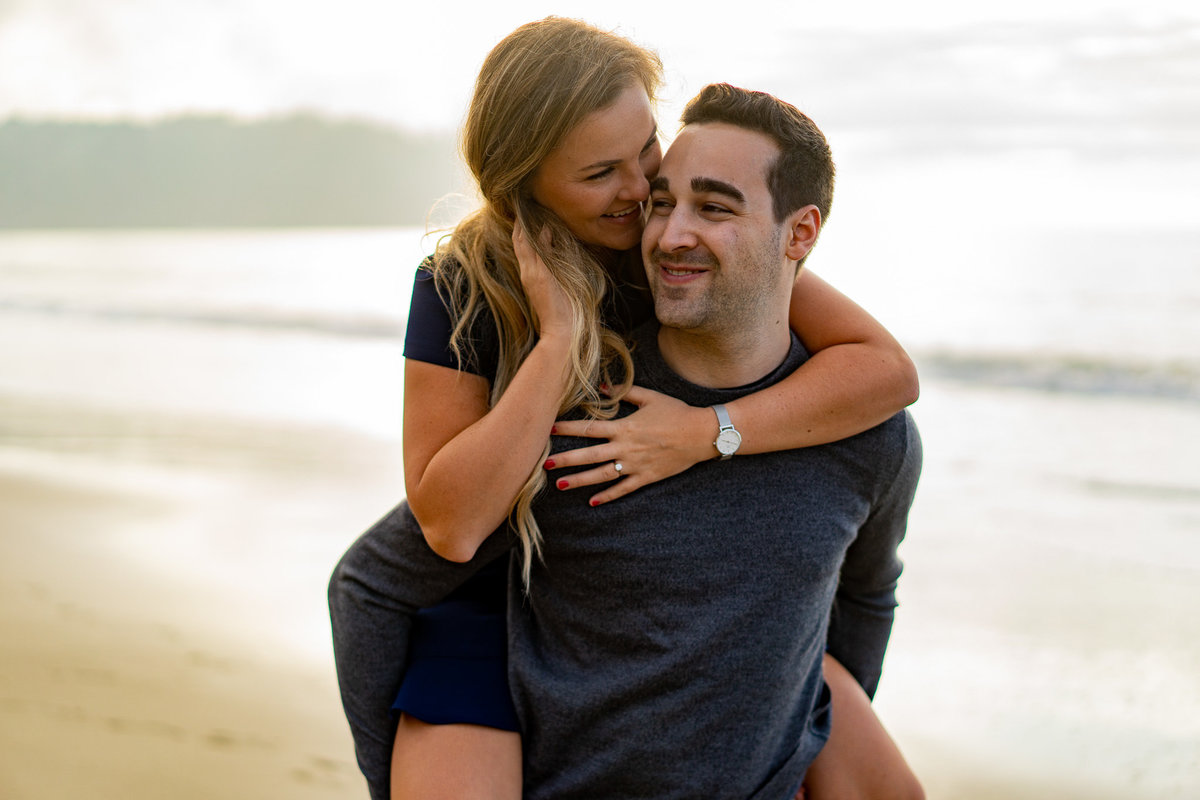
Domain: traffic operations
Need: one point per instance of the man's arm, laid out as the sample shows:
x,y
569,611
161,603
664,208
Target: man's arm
x,y
383,579
864,606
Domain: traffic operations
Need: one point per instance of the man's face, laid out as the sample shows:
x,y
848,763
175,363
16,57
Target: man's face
x,y
714,253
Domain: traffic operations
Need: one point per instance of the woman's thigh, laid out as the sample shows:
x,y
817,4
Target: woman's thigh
x,y
860,761
450,762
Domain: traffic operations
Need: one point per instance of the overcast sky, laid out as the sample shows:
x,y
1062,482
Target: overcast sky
x,y
412,63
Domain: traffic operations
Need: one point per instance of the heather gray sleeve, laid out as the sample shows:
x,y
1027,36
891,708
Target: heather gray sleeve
x,y
861,620
382,580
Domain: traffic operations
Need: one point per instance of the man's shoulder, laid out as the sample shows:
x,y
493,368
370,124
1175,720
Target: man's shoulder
x,y
892,451
896,436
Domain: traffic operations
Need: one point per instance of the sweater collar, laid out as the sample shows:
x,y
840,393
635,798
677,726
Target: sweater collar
x,y
651,370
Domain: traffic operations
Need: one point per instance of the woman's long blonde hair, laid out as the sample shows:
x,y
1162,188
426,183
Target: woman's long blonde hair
x,y
534,87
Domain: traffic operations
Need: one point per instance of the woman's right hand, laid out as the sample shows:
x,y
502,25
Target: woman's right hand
x,y
552,311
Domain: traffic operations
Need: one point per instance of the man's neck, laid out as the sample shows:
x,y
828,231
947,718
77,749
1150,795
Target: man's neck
x,y
724,360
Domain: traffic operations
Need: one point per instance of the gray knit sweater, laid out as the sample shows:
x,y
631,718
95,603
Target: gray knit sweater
x,y
670,644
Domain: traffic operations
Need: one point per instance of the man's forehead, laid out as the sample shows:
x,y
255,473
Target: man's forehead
x,y
717,151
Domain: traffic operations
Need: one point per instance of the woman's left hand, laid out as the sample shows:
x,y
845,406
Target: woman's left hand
x,y
662,438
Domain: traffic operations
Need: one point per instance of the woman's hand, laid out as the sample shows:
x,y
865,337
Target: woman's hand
x,y
552,312
662,438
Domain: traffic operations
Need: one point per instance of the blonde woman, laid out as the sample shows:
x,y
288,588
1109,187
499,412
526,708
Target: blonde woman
x,y
521,315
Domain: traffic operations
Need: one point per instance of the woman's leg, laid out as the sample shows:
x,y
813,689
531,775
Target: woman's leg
x,y
385,576
451,762
860,761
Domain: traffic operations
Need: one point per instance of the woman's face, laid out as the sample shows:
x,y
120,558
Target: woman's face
x,y
596,179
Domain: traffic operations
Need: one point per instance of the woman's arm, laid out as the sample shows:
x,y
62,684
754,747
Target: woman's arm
x,y
857,377
463,462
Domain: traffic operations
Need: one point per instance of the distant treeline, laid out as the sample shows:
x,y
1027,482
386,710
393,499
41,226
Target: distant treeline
x,y
219,172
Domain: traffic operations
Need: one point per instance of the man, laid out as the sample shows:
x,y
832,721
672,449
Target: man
x,y
670,645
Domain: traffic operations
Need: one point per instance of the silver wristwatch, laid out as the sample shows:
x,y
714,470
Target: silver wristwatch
x,y
728,438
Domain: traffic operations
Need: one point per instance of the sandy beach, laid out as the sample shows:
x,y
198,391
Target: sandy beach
x,y
155,644
132,663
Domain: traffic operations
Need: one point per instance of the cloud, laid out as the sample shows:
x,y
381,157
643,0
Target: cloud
x,y
1107,86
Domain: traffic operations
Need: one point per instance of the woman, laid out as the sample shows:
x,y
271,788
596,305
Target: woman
x,y
513,329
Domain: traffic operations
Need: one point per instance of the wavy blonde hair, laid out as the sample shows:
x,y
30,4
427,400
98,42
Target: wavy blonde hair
x,y
534,87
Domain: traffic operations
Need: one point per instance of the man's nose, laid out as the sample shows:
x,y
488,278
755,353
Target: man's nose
x,y
677,233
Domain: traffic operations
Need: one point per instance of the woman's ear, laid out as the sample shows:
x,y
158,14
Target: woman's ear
x,y
804,225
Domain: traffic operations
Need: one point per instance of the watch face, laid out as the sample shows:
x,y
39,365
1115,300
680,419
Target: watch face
x,y
728,442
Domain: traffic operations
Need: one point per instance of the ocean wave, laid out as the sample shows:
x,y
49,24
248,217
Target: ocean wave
x,y
1067,374
301,321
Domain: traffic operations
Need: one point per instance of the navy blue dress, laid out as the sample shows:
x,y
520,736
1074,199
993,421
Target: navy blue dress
x,y
458,650
457,670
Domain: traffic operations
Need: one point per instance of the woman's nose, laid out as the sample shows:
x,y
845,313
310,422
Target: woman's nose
x,y
635,186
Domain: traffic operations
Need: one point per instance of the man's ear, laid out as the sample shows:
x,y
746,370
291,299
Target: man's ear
x,y
804,225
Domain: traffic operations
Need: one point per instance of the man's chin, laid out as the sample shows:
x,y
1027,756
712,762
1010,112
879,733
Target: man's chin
x,y
674,315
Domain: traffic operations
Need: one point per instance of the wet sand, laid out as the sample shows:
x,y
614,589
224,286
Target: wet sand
x,y
163,629
149,646
113,687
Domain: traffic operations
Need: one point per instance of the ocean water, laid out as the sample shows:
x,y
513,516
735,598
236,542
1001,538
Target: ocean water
x,y
247,324
1047,630
1055,309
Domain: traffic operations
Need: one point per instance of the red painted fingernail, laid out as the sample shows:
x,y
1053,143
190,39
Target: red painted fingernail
x,y
549,463
553,429
593,503
562,484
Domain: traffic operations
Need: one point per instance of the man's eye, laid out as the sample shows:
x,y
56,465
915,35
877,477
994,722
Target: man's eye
x,y
712,208
660,206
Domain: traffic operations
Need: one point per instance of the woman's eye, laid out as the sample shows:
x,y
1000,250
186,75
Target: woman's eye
x,y
601,174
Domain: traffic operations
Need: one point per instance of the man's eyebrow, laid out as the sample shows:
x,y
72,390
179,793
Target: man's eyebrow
x,y
714,186
659,184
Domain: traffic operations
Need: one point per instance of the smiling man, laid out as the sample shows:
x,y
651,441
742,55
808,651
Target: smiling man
x,y
670,645
719,263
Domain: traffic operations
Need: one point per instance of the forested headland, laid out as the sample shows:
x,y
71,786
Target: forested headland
x,y
213,171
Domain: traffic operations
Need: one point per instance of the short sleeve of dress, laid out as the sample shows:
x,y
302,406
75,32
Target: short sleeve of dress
x,y
430,324
427,337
